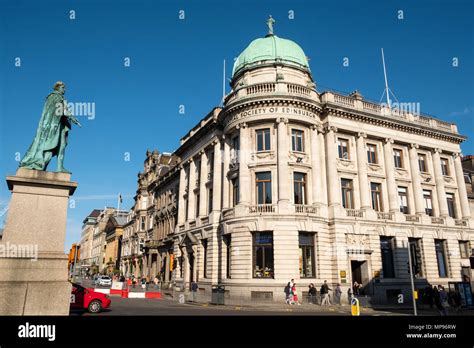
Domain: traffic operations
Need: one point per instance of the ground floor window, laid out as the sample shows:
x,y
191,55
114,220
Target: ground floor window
x,y
306,256
204,253
440,248
263,255
388,267
227,242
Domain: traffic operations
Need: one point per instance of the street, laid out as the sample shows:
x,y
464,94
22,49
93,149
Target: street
x,y
131,306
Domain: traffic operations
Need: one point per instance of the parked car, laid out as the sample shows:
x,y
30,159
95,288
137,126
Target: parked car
x,y
104,281
83,298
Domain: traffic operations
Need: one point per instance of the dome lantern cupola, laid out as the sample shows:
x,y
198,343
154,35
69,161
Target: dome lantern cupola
x,y
269,50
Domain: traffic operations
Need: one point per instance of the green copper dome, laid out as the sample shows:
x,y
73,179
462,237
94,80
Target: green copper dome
x,y
271,49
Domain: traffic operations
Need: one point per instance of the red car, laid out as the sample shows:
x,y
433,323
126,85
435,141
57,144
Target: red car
x,y
82,298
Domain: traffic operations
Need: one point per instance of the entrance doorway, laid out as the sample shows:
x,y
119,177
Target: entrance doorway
x,y
360,274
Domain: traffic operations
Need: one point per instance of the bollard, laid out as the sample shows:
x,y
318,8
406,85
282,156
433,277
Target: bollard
x,y
355,307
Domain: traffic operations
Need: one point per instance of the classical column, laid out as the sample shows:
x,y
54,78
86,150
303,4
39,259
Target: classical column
x,y
461,187
334,190
316,174
416,180
393,203
225,169
439,179
191,186
217,177
244,172
202,185
182,187
362,171
282,156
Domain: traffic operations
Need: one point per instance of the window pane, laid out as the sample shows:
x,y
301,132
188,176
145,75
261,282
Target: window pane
x,y
267,139
259,140
268,192
441,258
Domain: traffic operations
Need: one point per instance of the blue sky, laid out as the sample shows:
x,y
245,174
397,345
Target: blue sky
x,y
179,62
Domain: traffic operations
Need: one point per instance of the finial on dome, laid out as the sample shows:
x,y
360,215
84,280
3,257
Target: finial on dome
x,y
270,22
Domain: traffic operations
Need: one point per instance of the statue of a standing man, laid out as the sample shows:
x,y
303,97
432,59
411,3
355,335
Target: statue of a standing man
x,y
51,135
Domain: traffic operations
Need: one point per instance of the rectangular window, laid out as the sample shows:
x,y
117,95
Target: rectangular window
x,y
440,249
306,261
235,147
403,199
347,194
196,203
451,206
386,247
416,257
264,187
297,140
398,158
464,249
204,257
142,223
263,255
422,163
210,163
263,139
209,200
372,153
376,192
227,242
235,192
428,202
343,148
445,166
299,184
466,274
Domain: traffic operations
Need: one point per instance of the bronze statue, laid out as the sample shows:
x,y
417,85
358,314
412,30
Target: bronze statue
x,y
52,133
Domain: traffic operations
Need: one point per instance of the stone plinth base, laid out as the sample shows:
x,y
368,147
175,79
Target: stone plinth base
x,y
33,265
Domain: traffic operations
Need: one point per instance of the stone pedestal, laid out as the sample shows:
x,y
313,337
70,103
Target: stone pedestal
x,y
33,265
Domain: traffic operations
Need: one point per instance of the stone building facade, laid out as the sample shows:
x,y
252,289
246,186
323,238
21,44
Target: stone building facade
x,y
285,182
87,238
147,248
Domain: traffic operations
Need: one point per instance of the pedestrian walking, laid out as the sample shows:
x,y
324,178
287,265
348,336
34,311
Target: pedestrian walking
x,y
194,289
287,291
312,293
457,301
443,298
325,294
155,281
349,295
337,294
295,295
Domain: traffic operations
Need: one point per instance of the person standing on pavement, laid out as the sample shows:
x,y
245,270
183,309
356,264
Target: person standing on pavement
x,y
337,294
325,294
312,294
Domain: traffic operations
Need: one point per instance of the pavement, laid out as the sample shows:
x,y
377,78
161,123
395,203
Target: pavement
x,y
172,307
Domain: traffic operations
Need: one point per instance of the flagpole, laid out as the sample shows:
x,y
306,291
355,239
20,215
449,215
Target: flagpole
x,y
118,204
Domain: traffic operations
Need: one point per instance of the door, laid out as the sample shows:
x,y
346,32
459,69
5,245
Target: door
x,y
360,274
